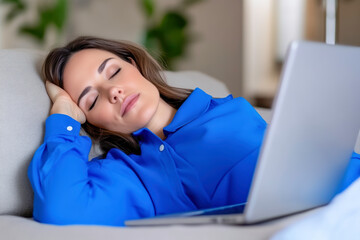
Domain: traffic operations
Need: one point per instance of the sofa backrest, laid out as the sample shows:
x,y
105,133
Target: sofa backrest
x,y
24,106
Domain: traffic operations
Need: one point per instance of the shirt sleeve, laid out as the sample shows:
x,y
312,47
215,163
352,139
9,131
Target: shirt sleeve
x,y
69,189
352,171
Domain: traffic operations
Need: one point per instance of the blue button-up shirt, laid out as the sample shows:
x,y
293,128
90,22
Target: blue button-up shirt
x,y
206,160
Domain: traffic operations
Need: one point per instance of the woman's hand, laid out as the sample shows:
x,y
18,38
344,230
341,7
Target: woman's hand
x,y
62,103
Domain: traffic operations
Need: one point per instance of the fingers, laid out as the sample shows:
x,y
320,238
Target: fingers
x,y
80,117
52,90
62,103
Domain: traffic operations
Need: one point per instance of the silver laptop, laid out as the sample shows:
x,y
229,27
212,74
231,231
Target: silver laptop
x,y
307,145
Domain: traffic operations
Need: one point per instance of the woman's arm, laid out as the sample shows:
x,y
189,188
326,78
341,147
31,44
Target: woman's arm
x,y
69,189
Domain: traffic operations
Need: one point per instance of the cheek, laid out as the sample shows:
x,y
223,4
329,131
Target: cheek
x,y
147,108
101,117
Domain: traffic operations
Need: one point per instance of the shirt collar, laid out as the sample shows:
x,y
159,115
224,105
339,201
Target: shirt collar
x,y
194,106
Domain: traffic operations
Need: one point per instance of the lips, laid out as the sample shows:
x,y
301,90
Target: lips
x,y
128,103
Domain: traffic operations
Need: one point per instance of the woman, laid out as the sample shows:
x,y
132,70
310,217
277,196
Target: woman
x,y
166,149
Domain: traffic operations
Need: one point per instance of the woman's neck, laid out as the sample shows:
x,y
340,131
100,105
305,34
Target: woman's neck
x,y
163,117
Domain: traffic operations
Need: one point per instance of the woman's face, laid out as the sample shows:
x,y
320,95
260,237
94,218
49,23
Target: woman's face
x,y
110,91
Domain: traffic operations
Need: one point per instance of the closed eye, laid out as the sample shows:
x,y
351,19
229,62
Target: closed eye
x,y
117,71
92,105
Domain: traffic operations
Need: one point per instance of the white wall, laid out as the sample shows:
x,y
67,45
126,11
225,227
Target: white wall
x,y
260,76
217,25
269,28
218,52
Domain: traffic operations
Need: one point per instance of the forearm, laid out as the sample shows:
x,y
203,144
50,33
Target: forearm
x,y
68,189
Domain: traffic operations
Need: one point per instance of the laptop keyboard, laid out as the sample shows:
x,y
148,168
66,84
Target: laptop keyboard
x,y
230,209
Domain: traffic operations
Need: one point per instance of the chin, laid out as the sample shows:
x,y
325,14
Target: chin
x,y
145,116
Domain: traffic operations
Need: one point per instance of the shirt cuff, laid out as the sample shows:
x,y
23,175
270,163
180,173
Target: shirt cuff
x,y
61,124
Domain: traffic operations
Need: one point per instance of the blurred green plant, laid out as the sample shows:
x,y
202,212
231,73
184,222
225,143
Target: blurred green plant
x,y
167,35
48,15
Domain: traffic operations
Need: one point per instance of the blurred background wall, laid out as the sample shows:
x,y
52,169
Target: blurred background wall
x,y
269,27
240,42
215,26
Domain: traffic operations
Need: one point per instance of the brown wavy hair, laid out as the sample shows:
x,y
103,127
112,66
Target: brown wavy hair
x,y
57,59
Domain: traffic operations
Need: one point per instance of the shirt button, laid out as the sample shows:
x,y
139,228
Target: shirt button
x,y
69,128
162,147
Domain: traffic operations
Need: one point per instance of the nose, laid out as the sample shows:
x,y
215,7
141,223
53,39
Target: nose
x,y
114,94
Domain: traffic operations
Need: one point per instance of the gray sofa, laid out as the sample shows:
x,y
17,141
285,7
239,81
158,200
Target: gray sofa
x,y
24,106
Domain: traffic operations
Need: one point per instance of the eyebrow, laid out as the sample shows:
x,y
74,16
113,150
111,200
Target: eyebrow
x,y
88,88
102,66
